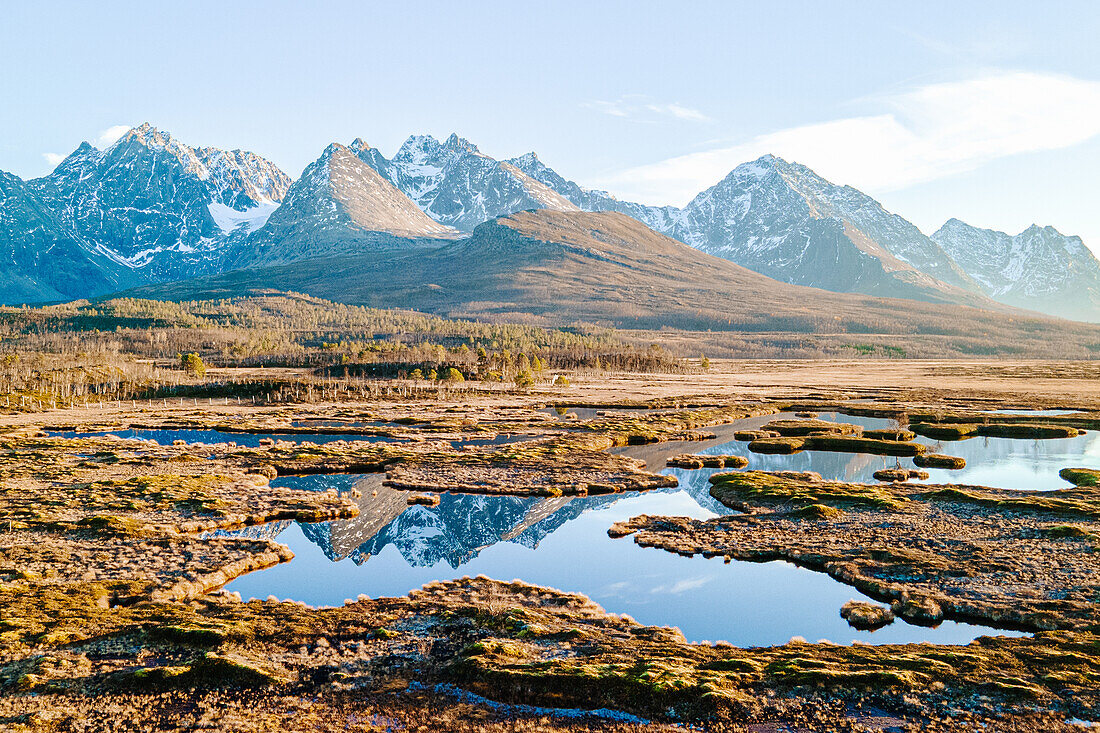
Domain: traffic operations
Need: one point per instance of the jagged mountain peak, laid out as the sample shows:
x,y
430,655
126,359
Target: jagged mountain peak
x,y
953,222
418,148
459,144
427,149
151,137
1043,230
766,170
766,161
159,205
84,148
457,185
340,205
78,161
525,161
1039,268
333,148
783,219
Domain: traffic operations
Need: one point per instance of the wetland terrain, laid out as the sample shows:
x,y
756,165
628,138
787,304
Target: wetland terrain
x,y
691,433
634,550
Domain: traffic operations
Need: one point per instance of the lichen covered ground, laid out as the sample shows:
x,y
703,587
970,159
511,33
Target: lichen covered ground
x,y
111,617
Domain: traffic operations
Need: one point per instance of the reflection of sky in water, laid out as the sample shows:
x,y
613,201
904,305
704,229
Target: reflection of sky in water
x,y
743,603
210,437
1011,411
1005,463
392,548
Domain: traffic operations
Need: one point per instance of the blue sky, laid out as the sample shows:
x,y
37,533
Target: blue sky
x,y
989,112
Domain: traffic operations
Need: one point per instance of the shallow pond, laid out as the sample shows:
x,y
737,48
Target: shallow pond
x,y
1005,463
210,437
392,548
1050,412
252,440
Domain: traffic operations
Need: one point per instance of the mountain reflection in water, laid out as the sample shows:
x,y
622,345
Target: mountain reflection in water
x,y
392,548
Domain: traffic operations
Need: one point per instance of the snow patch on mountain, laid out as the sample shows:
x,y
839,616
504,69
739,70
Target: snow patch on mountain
x,y
1039,268
229,219
456,184
158,205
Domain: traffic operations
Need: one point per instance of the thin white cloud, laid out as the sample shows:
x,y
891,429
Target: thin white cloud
x,y
105,139
680,586
920,135
110,136
615,109
640,107
678,111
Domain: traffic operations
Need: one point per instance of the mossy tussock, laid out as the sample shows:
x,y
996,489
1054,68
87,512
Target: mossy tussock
x,y
938,460
899,474
961,431
934,552
1081,476
1078,502
799,489
784,437
837,444
689,460
802,428
862,615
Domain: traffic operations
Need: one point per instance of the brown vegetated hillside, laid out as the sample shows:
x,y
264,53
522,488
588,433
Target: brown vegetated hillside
x,y
554,268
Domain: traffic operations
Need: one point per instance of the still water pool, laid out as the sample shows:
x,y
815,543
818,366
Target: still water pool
x,y
392,547
1004,463
211,437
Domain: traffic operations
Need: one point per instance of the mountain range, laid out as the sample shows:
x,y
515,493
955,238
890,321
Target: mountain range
x,y
1040,268
159,207
151,210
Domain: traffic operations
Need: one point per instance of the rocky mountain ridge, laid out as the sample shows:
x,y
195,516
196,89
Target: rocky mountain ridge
x,y
457,185
159,206
1040,268
340,205
166,211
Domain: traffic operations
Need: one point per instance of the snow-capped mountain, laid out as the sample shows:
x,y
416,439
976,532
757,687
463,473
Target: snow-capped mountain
x,y
167,211
159,206
457,529
43,260
1040,268
785,221
658,218
456,184
340,205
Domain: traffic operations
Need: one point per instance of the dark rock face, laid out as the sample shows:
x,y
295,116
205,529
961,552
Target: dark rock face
x,y
43,260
